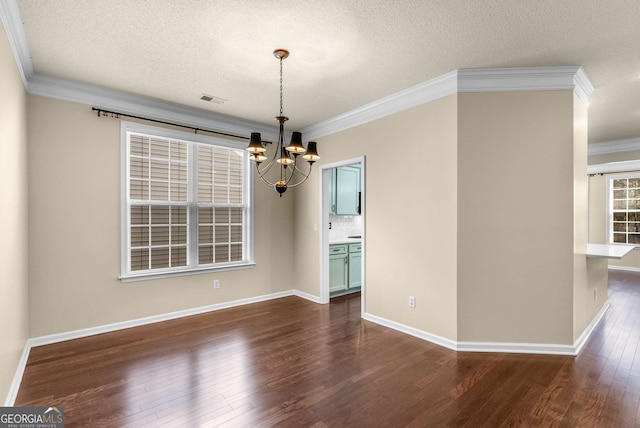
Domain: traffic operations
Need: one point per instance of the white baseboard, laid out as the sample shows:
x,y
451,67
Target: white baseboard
x,y
420,334
17,377
582,340
624,268
517,348
76,334
504,347
307,296
85,332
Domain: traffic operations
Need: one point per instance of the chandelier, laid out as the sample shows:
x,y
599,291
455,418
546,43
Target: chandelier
x,y
284,160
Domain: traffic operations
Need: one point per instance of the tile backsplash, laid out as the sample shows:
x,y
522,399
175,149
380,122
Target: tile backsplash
x,y
343,226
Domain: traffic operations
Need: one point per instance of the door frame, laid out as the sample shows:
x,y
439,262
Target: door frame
x,y
324,216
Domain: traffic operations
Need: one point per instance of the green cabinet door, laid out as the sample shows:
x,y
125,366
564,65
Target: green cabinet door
x,y
338,268
348,191
355,265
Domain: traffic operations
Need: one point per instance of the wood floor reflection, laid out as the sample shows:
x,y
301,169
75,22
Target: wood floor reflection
x,y
292,363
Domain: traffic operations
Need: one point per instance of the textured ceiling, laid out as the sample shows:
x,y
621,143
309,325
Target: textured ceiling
x,y
344,53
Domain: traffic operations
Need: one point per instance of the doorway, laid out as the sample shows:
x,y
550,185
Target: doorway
x,y
343,213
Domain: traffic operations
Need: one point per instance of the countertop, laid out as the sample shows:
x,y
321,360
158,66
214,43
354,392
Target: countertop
x,y
345,241
608,251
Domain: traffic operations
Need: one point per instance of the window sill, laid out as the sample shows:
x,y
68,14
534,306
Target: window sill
x,y
169,274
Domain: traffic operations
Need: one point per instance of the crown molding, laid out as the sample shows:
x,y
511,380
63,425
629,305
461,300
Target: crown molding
x,y
583,87
138,105
526,79
614,146
12,23
459,81
431,90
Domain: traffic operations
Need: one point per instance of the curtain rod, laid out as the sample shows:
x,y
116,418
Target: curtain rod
x,y
613,172
103,112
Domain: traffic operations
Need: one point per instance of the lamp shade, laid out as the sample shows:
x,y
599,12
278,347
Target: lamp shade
x,y
311,155
255,144
285,158
295,146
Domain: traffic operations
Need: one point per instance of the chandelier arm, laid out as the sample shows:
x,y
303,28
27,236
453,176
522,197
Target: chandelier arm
x,y
294,168
308,170
267,166
264,179
298,183
305,176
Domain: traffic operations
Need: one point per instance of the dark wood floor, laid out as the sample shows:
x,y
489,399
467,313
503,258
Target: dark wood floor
x,y
293,363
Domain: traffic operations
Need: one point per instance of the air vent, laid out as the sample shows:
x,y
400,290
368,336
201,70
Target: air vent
x,y
212,99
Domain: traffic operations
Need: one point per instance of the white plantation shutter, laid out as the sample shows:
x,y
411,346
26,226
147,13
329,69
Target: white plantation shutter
x,y
175,186
221,214
220,175
624,226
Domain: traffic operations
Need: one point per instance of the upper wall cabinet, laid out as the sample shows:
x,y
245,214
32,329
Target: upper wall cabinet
x,y
344,191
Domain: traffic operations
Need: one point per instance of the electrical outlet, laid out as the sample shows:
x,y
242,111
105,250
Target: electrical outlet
x,y
412,302
595,294
216,284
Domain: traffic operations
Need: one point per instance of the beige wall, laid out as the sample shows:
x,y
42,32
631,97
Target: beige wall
x,y
630,261
486,227
614,157
13,217
74,240
410,215
515,217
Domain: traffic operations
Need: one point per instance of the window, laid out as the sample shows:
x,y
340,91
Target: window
x,y
624,209
185,203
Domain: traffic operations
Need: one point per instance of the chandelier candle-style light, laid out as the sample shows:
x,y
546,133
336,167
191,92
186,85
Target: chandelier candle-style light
x,y
284,156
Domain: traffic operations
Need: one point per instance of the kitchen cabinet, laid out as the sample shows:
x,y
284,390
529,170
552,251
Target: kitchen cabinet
x,y
338,268
345,268
355,265
344,191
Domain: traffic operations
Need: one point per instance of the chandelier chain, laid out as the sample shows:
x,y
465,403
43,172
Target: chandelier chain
x,y
281,109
